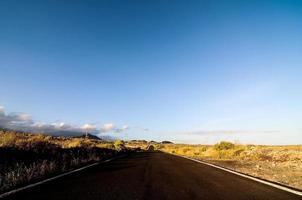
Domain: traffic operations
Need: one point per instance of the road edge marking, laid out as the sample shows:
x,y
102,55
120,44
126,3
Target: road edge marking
x,y
55,177
244,175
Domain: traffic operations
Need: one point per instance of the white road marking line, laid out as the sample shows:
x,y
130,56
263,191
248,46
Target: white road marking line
x,y
53,178
245,176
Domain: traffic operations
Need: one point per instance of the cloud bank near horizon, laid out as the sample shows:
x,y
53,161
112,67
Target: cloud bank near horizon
x,y
24,122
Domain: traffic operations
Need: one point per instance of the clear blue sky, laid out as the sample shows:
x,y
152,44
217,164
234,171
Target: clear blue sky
x,y
188,71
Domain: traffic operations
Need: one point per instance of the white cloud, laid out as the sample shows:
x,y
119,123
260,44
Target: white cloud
x,y
62,125
39,124
24,122
88,127
14,120
110,127
2,113
21,117
125,127
122,129
107,127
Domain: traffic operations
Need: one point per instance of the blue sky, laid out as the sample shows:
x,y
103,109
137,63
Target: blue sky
x,y
186,71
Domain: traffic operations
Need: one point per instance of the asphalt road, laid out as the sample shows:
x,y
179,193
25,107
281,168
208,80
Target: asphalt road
x,y
153,176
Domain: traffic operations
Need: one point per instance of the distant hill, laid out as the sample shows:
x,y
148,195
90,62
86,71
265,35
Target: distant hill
x,y
138,141
67,134
166,142
89,136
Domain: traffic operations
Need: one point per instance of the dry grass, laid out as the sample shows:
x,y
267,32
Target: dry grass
x,y
281,164
26,157
137,144
22,140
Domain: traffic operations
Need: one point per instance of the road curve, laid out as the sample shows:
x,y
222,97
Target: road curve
x,y
153,175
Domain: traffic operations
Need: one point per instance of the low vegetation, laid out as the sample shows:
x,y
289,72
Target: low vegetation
x,y
282,164
26,157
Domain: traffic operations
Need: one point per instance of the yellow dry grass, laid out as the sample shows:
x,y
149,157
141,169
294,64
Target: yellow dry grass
x,y
28,140
282,164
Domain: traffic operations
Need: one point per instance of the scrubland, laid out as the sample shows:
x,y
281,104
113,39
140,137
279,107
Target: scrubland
x,y
26,157
281,164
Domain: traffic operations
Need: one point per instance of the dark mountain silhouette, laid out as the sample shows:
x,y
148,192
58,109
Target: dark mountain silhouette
x,y
166,142
88,136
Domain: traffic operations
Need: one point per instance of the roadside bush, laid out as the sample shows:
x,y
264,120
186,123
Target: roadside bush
x,y
151,148
186,150
119,145
238,152
7,139
223,145
203,149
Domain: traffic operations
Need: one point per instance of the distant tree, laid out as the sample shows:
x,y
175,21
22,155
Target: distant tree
x,y
223,145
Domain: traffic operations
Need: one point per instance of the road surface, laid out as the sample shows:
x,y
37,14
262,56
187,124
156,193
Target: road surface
x,y
153,175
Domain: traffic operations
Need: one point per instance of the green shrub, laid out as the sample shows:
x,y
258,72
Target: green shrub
x,y
238,152
203,149
119,145
223,145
